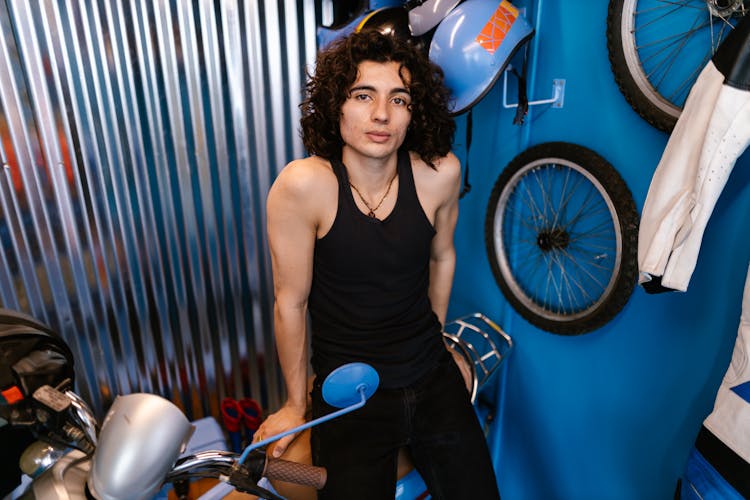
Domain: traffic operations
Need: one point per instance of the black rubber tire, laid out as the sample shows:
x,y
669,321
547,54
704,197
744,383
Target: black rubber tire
x,y
663,118
588,169
628,72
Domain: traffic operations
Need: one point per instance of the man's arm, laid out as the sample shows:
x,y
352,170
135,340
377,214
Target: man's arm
x,y
291,238
443,252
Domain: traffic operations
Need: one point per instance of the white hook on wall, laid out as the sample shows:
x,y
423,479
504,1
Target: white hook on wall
x,y
557,99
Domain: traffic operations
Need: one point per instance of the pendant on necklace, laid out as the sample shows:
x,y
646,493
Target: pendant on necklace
x,y
371,214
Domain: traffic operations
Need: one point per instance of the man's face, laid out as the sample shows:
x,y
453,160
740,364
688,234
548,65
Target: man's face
x,y
376,114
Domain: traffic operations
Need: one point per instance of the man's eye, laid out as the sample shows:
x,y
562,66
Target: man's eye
x,y
361,97
400,101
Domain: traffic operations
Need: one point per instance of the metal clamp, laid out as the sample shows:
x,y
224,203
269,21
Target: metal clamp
x,y
557,99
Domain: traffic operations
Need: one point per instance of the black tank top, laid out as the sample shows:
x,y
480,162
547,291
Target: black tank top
x,y
369,296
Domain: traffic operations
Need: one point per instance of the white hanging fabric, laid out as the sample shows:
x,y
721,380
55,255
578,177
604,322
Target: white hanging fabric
x,y
711,133
730,419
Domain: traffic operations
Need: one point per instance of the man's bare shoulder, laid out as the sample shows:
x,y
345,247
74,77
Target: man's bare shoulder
x,y
305,192
445,175
303,184
306,176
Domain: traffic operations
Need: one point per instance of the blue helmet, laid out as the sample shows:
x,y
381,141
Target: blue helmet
x,y
426,14
474,44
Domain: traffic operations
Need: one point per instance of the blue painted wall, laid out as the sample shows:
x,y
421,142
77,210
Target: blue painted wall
x,y
611,414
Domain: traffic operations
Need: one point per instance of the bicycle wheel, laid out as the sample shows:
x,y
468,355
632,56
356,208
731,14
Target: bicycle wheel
x,y
657,48
561,234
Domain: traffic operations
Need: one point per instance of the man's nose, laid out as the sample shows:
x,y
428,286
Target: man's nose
x,y
380,110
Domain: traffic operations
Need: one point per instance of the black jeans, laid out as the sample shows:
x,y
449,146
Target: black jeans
x,y
434,418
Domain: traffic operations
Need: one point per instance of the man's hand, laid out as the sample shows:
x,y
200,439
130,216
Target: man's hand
x,y
463,367
288,417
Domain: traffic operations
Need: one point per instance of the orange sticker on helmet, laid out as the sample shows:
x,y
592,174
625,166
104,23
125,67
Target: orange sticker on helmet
x,y
12,395
497,27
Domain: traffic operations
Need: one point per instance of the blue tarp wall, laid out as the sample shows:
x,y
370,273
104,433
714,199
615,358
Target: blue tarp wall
x,y
611,414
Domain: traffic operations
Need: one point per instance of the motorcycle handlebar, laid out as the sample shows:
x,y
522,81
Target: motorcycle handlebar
x,y
295,472
244,475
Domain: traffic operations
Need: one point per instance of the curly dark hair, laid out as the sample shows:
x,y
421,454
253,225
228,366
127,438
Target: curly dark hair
x,y
431,130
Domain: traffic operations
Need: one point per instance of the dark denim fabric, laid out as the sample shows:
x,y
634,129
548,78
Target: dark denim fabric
x,y
433,418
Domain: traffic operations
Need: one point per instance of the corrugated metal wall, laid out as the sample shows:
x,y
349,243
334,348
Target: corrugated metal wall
x,y
139,139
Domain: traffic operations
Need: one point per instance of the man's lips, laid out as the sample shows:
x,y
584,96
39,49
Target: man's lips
x,y
378,136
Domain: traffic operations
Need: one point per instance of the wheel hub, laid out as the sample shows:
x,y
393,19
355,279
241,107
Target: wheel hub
x,y
553,239
725,8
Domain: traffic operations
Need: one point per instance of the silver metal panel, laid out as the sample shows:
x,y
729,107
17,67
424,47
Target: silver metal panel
x,y
139,140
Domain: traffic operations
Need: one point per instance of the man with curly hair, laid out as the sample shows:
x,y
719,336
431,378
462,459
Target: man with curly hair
x,y
361,237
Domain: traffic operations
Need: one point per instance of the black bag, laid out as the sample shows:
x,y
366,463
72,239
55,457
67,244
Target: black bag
x,y
31,355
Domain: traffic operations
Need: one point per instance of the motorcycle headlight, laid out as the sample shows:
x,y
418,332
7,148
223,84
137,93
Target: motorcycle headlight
x,y
141,438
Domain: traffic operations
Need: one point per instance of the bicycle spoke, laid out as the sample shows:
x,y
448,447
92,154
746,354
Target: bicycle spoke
x,y
566,200
669,3
551,282
582,212
687,83
673,6
520,256
590,217
514,216
532,270
668,41
585,215
546,177
531,221
536,272
581,300
564,278
671,56
593,260
603,228
526,225
531,203
690,4
544,190
585,264
586,272
595,249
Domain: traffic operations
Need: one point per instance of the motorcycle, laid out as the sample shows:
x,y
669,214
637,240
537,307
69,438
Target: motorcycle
x,y
138,448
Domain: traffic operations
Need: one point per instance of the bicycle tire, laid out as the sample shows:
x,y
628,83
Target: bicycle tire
x,y
657,48
561,232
